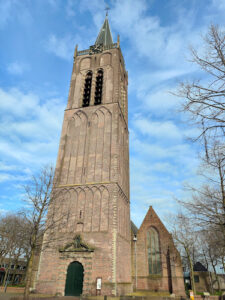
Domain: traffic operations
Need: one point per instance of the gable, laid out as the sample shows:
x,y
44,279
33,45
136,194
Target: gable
x,y
152,219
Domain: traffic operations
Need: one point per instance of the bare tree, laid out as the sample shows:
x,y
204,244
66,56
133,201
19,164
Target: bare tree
x,y
38,197
207,210
207,203
205,102
3,240
211,254
14,237
45,216
184,236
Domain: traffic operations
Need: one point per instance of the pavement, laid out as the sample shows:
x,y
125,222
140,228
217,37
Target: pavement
x,y
19,296
8,296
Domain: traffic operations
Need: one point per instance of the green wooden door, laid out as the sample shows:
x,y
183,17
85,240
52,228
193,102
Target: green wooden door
x,y
74,279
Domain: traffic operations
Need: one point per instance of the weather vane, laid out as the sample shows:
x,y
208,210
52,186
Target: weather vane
x,y
107,10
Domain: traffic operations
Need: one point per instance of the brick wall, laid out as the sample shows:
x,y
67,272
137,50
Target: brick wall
x,y
167,280
92,183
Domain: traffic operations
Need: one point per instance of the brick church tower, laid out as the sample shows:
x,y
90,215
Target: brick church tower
x,y
88,248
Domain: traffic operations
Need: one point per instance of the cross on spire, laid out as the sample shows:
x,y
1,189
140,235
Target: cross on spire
x,y
107,10
104,37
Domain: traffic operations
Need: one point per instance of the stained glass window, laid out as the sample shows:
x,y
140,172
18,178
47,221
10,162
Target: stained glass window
x,y
154,261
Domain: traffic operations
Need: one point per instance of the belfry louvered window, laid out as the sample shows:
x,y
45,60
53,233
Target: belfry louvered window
x,y
98,87
154,260
87,89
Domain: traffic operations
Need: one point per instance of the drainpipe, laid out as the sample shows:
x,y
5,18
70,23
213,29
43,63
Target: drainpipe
x,y
135,254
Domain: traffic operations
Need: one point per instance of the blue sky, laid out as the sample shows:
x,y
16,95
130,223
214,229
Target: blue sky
x,y
38,38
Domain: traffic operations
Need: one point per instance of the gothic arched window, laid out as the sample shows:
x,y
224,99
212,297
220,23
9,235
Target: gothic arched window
x,y
154,261
98,87
87,89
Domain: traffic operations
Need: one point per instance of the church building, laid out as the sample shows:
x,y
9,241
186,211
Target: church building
x,y
156,263
92,247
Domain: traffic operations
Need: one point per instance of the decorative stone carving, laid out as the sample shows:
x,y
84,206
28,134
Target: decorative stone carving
x,y
76,246
95,49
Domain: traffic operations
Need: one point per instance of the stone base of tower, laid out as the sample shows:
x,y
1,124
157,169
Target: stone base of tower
x,y
124,288
108,289
52,280
108,258
56,285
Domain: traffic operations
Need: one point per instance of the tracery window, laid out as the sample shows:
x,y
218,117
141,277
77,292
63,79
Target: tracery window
x,y
98,87
87,89
154,261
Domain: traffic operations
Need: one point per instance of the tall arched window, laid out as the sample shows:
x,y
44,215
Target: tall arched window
x,y
98,87
87,89
154,261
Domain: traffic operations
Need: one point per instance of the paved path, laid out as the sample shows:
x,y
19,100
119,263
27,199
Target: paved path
x,y
8,296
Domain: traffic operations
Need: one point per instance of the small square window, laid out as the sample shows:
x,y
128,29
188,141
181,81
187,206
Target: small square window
x,y
196,278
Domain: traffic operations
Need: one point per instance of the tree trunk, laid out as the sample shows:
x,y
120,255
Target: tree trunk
x,y
211,282
5,276
29,273
7,272
191,270
15,261
222,185
214,269
14,272
209,273
217,279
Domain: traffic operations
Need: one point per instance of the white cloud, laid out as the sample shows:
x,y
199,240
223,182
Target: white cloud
x,y
219,4
160,101
160,80
10,177
53,3
159,129
138,163
61,47
14,9
7,167
17,103
17,68
5,8
162,45
64,46
70,8
160,149
95,7
30,129
3,211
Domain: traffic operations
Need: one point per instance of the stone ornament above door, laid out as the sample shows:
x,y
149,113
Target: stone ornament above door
x,y
77,245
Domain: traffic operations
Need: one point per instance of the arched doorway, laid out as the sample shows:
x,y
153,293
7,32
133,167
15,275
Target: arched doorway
x,y
74,279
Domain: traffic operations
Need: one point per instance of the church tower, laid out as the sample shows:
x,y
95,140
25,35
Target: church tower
x,y
87,250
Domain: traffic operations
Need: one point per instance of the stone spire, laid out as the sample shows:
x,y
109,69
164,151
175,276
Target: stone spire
x,y
104,36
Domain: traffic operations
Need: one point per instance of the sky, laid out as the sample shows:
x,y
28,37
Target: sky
x,y
37,41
